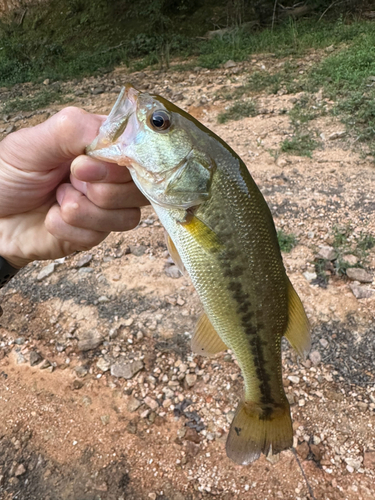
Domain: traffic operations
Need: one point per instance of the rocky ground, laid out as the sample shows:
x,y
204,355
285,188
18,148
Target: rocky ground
x,y
100,396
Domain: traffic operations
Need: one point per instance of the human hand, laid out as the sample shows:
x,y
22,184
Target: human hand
x,y
42,214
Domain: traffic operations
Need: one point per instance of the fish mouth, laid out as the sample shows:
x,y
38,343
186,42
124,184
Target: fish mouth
x,y
117,130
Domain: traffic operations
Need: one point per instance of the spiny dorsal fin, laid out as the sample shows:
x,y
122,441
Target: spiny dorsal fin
x,y
256,429
206,340
174,253
298,329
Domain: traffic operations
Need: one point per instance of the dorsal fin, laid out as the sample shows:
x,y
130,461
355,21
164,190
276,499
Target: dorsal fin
x,y
206,340
298,329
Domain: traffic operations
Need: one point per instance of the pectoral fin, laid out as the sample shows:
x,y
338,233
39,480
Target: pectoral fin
x,y
202,233
174,253
206,340
298,329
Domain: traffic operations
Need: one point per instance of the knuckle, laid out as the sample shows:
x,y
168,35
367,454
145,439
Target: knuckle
x,y
70,212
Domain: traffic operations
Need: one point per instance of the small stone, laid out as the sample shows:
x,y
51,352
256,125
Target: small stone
x,y
337,135
354,462
301,402
46,271
86,401
230,64
327,253
152,496
315,357
310,276
10,129
183,367
303,450
20,358
132,427
97,90
290,398
192,435
103,298
360,292
152,403
35,358
172,272
77,385
81,371
316,451
293,379
45,364
84,260
105,419
180,301
358,274
137,250
103,364
90,340
85,270
190,379
352,260
20,470
133,404
369,459
323,343
126,370
128,322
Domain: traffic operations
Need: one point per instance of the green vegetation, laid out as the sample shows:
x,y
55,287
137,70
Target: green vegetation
x,y
36,101
300,144
63,39
237,111
286,241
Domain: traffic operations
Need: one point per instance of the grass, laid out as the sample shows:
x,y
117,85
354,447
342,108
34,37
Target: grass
x,y
237,111
300,145
41,99
286,241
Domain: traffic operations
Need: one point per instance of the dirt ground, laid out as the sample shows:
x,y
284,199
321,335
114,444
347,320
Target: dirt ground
x,y
73,428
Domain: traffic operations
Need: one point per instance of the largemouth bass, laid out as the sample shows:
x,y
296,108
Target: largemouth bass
x,y
222,232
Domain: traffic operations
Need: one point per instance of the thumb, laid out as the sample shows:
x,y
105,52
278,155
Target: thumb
x,y
57,140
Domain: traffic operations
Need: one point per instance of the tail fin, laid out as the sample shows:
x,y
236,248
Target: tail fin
x,y
257,429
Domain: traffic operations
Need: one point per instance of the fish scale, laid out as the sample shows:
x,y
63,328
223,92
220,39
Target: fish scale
x,y
221,230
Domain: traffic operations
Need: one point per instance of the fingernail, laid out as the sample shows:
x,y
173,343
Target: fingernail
x,y
79,185
60,194
88,170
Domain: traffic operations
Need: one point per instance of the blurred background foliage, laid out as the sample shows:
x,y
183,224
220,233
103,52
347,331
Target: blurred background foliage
x,y
62,39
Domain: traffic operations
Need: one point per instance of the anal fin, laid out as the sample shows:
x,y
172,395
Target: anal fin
x,y
205,340
256,429
298,329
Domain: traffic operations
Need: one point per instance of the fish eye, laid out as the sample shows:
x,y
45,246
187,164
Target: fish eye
x,y
160,120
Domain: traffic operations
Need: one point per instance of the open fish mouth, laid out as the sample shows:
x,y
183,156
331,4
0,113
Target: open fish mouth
x,y
118,129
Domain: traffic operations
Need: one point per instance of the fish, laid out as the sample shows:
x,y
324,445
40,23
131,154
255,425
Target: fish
x,y
221,231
